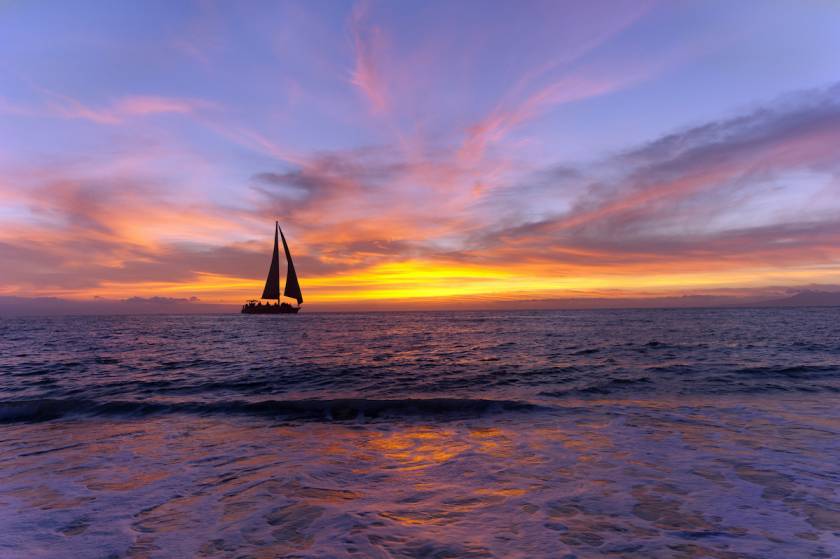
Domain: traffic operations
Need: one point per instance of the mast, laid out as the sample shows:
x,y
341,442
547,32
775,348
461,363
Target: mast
x,y
292,286
272,282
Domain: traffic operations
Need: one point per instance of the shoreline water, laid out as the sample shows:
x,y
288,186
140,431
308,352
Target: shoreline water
x,y
625,479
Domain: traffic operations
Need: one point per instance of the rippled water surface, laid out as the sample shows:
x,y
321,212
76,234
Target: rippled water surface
x,y
670,433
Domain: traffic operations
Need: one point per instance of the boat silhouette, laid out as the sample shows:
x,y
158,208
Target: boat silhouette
x,y
272,284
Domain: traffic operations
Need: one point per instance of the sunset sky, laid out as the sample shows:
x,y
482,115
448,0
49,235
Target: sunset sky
x,y
419,151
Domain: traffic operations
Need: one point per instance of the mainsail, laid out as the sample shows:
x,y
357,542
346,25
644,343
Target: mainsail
x,y
272,282
292,286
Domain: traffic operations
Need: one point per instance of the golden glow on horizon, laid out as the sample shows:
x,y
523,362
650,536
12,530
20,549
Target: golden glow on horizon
x,y
417,280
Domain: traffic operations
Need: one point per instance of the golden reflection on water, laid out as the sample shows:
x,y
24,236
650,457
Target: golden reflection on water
x,y
492,441
417,447
502,491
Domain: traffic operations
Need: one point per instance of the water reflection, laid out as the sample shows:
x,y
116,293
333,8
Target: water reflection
x,y
415,447
631,479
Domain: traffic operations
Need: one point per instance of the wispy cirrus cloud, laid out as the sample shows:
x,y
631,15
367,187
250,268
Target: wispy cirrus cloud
x,y
368,44
58,105
503,119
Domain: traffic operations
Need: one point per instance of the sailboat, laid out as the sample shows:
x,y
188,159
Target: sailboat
x,y
272,284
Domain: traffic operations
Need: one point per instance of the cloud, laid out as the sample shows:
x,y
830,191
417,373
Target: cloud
x,y
503,119
140,106
58,105
325,174
686,180
368,43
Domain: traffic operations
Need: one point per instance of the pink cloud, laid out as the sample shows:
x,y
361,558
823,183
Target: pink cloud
x,y
59,105
64,106
367,41
139,106
502,120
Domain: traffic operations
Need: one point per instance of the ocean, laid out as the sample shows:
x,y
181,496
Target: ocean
x,y
687,433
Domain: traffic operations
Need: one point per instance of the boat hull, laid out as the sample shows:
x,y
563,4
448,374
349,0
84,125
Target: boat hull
x,y
270,309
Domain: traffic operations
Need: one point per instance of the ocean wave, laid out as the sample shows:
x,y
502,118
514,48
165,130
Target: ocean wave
x,y
12,411
609,387
795,371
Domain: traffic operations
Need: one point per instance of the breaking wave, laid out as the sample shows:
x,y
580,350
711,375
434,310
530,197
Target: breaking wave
x,y
336,409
